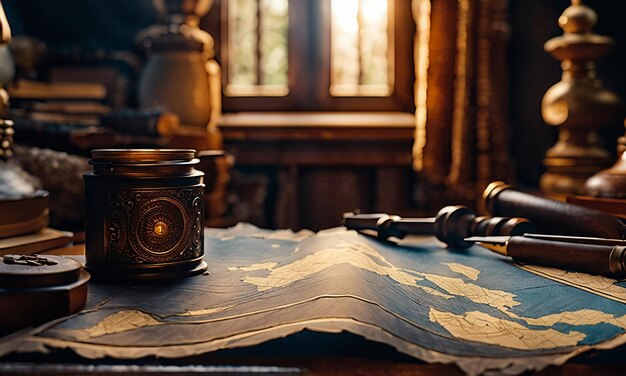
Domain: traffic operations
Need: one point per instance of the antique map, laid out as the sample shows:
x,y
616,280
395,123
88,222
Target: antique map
x,y
472,308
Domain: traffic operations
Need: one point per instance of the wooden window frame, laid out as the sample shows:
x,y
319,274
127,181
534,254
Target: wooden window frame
x,y
309,62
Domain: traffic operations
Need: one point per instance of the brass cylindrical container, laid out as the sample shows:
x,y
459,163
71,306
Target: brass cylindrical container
x,y
144,213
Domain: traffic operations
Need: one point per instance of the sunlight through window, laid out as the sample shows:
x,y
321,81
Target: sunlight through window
x,y
361,48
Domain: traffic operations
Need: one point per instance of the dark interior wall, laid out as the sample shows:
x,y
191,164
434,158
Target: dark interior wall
x,y
86,32
91,24
533,71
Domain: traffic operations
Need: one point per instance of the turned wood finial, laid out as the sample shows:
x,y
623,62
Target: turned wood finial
x,y
578,105
578,19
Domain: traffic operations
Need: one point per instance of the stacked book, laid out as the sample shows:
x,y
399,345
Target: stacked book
x,y
77,114
59,102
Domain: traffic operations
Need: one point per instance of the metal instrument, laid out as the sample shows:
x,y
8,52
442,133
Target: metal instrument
x,y
550,216
583,254
451,225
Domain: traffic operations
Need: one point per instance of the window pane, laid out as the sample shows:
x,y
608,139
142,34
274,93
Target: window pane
x,y
242,42
274,42
360,48
257,47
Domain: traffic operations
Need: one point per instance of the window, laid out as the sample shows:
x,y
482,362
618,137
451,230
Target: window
x,y
257,47
316,54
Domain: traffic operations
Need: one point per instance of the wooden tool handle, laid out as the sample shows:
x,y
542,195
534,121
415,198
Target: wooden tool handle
x,y
594,259
550,216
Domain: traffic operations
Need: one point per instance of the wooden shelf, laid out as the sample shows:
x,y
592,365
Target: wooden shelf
x,y
399,120
319,138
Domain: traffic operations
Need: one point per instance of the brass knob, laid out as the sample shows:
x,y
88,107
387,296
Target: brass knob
x,y
160,229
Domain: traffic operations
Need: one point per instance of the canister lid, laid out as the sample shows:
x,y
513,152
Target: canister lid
x,y
37,271
35,289
142,155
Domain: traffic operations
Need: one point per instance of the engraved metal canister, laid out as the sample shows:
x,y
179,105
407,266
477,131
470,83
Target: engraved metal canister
x,y
144,213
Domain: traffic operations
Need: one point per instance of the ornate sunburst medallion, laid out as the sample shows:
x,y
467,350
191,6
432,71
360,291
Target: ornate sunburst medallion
x,y
159,229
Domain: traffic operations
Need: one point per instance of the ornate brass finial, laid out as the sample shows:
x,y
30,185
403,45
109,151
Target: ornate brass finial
x,y
579,105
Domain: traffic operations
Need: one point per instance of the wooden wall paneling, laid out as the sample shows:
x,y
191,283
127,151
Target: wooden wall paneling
x,y
326,193
328,163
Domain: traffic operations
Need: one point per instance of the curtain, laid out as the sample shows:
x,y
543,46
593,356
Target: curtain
x,y
461,94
